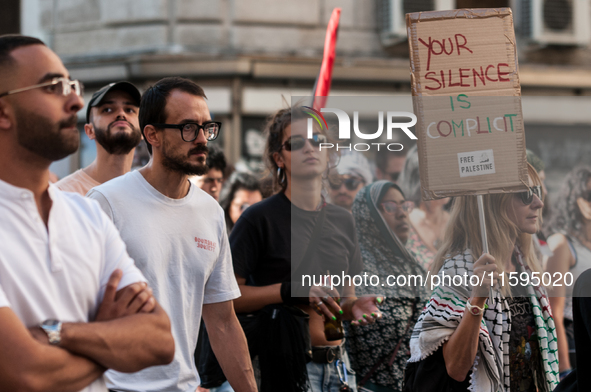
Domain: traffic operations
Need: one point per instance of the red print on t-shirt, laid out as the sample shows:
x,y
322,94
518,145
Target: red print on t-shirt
x,y
205,244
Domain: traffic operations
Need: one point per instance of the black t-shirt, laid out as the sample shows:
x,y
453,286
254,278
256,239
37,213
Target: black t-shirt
x,y
272,233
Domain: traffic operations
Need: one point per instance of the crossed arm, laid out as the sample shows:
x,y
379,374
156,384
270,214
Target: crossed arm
x,y
131,332
28,365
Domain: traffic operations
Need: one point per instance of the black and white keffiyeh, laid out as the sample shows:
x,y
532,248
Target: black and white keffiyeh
x,y
443,313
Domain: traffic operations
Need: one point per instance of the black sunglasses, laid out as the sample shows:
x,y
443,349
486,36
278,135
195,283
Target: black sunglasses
x,y
351,183
298,142
527,197
189,131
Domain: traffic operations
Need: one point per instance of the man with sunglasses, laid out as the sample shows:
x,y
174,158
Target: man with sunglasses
x,y
61,259
112,121
177,235
352,174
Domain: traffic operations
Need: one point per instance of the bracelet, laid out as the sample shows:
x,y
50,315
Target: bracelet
x,y
475,310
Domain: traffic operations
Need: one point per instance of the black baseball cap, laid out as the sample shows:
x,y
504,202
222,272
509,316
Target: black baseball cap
x,y
100,94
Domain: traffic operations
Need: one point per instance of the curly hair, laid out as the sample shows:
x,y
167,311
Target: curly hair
x,y
567,217
236,182
274,132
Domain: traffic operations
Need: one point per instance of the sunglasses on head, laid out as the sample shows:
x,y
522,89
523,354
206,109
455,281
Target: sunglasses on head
x,y
527,197
351,183
297,142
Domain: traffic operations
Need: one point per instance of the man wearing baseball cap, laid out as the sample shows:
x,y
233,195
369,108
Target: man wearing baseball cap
x,y
112,121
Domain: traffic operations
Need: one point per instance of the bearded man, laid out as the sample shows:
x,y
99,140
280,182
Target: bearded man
x,y
176,233
112,121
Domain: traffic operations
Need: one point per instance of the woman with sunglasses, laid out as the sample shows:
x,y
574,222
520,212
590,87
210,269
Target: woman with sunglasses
x,y
269,243
381,219
571,247
506,344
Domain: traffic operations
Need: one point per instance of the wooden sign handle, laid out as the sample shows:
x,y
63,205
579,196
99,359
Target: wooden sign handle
x,y
483,236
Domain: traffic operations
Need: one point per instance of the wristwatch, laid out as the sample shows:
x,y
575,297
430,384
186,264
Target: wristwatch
x,y
475,310
53,329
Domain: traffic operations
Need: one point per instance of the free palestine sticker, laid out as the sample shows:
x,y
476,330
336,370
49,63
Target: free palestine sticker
x,y
476,163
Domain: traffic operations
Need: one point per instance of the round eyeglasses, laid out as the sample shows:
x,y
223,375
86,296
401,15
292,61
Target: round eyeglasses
x,y
392,207
189,131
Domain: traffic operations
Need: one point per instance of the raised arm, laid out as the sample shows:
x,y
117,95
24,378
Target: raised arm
x,y
28,365
229,345
460,350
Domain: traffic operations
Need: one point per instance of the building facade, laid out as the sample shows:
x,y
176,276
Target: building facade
x,y
252,56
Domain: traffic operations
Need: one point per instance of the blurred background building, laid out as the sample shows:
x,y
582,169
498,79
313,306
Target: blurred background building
x,y
251,56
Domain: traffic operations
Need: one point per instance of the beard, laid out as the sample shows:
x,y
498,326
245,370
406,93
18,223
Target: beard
x,y
39,135
120,143
176,162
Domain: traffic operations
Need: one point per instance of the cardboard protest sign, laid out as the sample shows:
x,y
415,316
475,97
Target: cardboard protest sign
x,y
467,99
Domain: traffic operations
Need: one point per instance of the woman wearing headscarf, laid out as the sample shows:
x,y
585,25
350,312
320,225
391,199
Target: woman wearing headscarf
x,y
468,341
379,351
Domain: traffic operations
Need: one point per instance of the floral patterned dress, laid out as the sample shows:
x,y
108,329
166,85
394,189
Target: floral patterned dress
x,y
383,255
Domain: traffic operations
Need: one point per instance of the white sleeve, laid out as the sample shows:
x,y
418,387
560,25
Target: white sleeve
x,y
102,200
3,300
221,285
115,256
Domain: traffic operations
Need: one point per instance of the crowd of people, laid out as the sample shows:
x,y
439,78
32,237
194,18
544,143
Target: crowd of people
x,y
133,280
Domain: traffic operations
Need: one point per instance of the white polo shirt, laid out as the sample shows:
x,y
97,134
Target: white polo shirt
x,y
59,272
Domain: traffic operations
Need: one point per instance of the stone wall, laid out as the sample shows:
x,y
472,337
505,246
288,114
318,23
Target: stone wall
x,y
106,28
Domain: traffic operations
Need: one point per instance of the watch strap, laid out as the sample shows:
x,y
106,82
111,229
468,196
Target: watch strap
x,y
53,329
475,310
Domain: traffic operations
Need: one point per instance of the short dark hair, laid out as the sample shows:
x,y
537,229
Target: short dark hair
x,y
216,159
236,182
153,103
10,42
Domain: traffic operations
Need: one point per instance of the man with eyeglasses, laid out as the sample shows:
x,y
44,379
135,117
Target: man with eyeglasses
x,y
72,303
177,235
352,174
212,181
112,121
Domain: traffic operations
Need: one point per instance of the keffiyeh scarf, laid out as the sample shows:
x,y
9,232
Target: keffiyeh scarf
x,y
443,313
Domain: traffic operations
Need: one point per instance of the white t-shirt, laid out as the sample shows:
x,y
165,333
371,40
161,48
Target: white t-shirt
x,y
59,272
182,248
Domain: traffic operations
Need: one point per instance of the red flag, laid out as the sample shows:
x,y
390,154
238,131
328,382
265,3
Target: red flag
x,y
322,85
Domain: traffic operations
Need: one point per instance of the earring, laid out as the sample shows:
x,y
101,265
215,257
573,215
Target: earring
x,y
280,175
